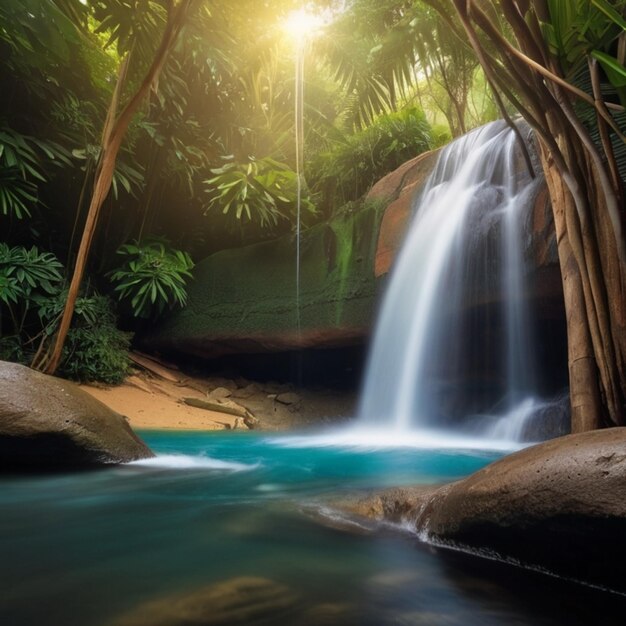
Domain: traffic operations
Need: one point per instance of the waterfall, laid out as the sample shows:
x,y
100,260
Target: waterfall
x,y
441,323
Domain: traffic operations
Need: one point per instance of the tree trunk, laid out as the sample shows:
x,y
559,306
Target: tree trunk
x,y
586,403
593,289
587,200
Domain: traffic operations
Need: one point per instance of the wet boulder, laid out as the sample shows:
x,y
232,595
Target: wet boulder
x,y
398,191
559,506
49,423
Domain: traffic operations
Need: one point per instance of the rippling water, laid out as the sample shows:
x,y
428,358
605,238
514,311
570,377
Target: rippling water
x,y
83,549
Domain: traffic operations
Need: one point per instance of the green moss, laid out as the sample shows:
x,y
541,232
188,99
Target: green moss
x,y
251,291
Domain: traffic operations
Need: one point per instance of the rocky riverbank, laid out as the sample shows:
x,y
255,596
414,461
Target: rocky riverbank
x,y
51,423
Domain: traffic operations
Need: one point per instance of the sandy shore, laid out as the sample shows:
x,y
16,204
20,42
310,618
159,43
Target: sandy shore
x,y
150,403
156,399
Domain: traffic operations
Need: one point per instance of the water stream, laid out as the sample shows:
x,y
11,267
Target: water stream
x,y
299,147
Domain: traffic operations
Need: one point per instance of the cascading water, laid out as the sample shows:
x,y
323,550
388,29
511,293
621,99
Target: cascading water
x,y
464,245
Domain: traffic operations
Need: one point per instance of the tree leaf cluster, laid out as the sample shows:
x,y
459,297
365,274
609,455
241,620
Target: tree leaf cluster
x,y
152,277
23,164
345,172
264,191
32,297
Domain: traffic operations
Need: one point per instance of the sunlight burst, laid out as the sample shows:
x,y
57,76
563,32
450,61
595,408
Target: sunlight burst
x,y
301,24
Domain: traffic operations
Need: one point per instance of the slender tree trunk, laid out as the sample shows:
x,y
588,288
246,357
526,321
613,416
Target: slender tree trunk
x,y
113,134
593,283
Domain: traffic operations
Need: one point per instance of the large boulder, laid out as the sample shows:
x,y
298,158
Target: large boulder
x,y
398,191
559,506
49,423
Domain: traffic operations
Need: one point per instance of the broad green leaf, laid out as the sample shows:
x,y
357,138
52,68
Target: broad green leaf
x,y
615,71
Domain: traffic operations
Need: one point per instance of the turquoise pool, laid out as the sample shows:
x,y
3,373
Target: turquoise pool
x,y
83,549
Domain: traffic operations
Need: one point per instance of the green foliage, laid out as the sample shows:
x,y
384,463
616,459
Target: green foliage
x,y
579,28
369,49
86,311
22,160
27,277
127,177
615,71
441,135
263,191
226,88
95,349
130,24
577,31
613,68
32,294
29,281
447,67
576,27
11,349
40,33
352,166
152,277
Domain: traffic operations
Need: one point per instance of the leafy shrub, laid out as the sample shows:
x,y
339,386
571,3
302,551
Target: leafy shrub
x,y
32,293
95,350
29,281
263,191
441,135
28,278
351,166
27,272
11,349
152,278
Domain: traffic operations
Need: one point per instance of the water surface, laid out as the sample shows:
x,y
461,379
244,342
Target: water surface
x,y
82,549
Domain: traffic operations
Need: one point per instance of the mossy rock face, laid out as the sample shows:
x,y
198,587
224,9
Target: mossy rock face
x,y
245,299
